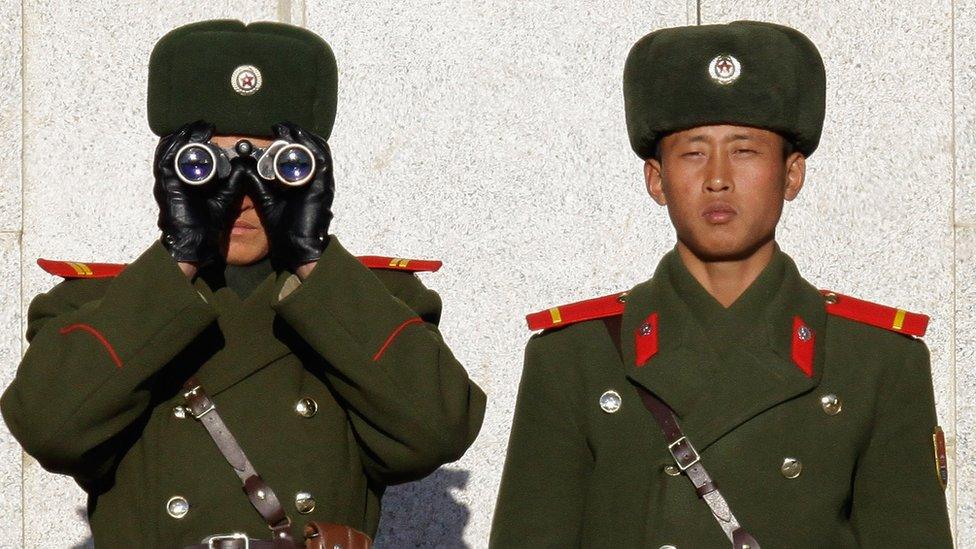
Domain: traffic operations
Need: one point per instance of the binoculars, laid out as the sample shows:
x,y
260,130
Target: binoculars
x,y
290,163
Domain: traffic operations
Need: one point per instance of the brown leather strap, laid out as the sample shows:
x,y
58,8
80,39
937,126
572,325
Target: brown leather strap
x,y
688,460
261,495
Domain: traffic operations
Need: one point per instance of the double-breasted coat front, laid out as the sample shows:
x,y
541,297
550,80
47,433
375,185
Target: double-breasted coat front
x,y
335,387
829,444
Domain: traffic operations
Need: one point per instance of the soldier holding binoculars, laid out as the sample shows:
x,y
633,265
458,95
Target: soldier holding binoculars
x,y
247,340
287,186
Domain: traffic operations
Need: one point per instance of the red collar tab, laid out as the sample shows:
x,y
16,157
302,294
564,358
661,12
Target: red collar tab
x,y
75,269
874,314
399,263
564,315
645,340
802,350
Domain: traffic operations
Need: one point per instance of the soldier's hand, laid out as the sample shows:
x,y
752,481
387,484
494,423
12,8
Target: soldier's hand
x,y
297,218
192,218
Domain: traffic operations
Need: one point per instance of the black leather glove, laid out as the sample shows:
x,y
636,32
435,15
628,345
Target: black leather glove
x,y
192,218
297,218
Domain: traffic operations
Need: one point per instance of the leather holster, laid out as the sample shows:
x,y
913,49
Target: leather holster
x,y
327,535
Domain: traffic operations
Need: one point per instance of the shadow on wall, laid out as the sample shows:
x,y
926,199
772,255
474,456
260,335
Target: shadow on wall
x,y
425,513
89,543
418,514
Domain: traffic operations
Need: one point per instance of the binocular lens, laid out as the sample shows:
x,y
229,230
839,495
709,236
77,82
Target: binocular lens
x,y
195,164
294,164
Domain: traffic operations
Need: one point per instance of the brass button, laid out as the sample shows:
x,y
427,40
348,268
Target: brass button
x,y
177,507
306,407
622,297
791,468
179,412
304,502
610,401
804,333
672,470
831,404
645,329
830,298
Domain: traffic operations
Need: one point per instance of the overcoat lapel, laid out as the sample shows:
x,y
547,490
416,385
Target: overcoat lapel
x,y
717,371
247,328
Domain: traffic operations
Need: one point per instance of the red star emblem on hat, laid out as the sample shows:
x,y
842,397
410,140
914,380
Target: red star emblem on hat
x,y
725,66
247,80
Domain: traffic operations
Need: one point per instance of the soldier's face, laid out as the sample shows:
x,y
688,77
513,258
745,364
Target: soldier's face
x,y
247,242
724,187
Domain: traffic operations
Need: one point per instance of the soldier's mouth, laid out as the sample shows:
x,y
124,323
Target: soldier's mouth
x,y
719,213
242,227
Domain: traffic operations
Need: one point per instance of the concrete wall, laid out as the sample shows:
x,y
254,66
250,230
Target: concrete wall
x,y
491,135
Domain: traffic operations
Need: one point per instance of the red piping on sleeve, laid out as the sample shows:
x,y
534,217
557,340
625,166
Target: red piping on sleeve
x,y
393,335
98,335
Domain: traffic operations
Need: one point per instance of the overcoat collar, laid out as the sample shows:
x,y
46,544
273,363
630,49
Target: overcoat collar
x,y
717,367
248,328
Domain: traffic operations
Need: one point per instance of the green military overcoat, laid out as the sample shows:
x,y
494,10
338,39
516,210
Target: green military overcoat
x,y
859,425
334,390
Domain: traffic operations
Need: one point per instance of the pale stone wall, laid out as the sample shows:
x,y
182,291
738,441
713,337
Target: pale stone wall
x,y
491,135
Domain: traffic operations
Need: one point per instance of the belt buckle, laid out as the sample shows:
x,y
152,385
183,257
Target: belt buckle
x,y
211,540
689,460
191,396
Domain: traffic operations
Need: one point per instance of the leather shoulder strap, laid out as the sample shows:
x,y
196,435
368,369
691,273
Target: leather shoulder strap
x,y
689,462
261,495
686,457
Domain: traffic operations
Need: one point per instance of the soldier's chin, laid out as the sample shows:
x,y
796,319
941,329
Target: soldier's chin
x,y
723,249
246,249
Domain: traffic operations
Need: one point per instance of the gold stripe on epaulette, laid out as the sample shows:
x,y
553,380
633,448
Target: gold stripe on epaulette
x,y
403,263
556,317
899,319
80,268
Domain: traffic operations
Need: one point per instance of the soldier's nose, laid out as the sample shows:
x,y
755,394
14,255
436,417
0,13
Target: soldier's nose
x,y
718,176
717,183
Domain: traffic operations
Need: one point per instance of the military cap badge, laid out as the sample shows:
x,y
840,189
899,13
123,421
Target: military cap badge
x,y
246,79
724,69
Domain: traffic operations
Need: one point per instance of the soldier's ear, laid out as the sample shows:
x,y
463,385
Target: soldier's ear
x,y
796,172
654,180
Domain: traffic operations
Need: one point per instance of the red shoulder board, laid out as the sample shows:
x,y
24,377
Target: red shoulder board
x,y
874,314
399,263
74,269
600,307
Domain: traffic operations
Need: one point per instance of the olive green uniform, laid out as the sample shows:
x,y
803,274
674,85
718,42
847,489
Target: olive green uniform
x,y
578,476
97,396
